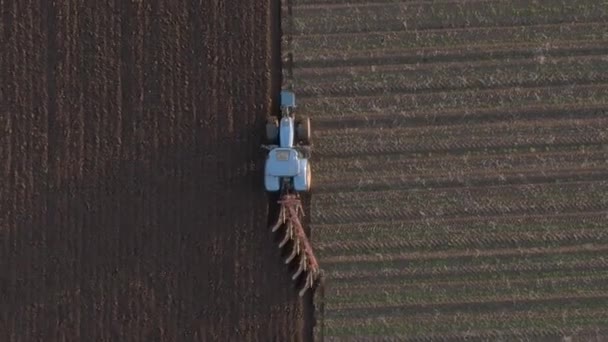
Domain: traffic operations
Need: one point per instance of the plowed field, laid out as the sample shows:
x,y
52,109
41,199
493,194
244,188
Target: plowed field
x,y
461,165
131,204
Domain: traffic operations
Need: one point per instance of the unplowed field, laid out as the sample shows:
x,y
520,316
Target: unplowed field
x,y
131,201
461,165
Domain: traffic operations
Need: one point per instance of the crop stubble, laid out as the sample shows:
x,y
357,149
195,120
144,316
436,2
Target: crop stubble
x,y
471,142
131,206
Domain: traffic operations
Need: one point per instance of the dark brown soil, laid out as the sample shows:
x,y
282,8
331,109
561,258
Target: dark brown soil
x,y
131,207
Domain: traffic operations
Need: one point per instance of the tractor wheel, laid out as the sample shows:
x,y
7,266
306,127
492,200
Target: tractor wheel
x,y
304,131
272,130
308,178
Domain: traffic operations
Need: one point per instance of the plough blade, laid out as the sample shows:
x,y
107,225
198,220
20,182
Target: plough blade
x,y
301,268
288,235
293,254
276,226
298,272
289,216
296,246
310,279
280,220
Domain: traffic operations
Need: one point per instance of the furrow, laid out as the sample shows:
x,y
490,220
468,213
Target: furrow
x,y
450,203
515,303
585,328
374,181
467,53
482,293
541,35
319,4
485,326
528,192
374,213
525,74
538,136
420,231
345,289
471,165
403,256
513,99
447,273
326,122
454,257
334,251
403,16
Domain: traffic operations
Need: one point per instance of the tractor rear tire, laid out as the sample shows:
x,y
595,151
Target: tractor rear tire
x,y
272,130
304,131
308,178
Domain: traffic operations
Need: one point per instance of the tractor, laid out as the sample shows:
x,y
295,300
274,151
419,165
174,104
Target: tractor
x,y
287,172
287,166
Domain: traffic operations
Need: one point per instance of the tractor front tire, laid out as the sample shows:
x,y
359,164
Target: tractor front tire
x,y
272,130
304,131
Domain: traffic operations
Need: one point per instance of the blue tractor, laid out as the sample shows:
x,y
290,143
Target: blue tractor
x,y
287,166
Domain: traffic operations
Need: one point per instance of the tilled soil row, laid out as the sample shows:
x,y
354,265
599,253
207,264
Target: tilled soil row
x,y
132,207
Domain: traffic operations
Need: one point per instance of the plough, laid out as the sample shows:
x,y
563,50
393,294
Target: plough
x,y
289,217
